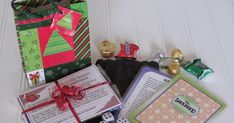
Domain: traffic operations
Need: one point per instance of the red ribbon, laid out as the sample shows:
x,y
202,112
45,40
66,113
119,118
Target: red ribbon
x,y
60,96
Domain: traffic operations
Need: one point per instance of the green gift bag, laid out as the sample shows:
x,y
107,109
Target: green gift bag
x,y
49,54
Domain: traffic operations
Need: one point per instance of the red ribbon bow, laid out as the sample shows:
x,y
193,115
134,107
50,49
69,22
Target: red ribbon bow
x,y
60,96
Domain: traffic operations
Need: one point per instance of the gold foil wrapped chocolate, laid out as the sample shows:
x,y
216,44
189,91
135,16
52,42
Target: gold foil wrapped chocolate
x,y
177,55
107,49
174,68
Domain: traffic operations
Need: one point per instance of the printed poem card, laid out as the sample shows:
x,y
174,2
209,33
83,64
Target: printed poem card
x,y
181,101
146,83
96,101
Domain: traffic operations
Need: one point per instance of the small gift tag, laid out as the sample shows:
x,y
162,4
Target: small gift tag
x,y
66,21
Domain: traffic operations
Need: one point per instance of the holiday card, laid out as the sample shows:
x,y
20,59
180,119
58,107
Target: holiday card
x,y
180,101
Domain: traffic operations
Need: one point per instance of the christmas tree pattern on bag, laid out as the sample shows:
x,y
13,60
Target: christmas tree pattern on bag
x,y
56,44
66,21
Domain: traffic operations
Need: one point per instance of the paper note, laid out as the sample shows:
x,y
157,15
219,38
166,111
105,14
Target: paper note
x,y
147,82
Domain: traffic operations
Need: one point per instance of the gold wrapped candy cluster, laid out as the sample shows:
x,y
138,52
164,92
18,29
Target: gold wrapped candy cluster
x,y
177,56
107,49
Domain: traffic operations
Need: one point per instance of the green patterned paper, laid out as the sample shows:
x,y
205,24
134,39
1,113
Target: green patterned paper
x,y
31,49
56,44
80,7
66,21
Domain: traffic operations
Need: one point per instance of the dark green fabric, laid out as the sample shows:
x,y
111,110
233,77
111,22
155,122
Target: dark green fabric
x,y
34,25
23,12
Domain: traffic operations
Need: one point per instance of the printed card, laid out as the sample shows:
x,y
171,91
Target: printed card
x,y
181,101
96,101
147,82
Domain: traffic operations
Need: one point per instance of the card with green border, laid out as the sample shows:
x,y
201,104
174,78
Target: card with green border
x,y
180,101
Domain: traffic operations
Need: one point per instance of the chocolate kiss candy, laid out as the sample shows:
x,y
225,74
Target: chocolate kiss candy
x,y
174,68
177,55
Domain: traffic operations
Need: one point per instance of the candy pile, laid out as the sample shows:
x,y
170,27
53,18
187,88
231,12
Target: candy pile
x,y
171,64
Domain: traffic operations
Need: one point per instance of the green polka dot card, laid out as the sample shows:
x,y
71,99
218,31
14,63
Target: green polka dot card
x,y
180,101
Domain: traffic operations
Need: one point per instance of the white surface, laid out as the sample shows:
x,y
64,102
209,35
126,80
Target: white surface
x,y
202,28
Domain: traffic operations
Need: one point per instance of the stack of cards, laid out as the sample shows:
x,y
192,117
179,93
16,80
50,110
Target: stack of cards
x,y
147,82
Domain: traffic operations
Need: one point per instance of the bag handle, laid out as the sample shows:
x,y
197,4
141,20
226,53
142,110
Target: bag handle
x,y
28,12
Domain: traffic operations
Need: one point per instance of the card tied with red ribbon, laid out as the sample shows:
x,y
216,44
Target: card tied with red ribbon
x,y
60,96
